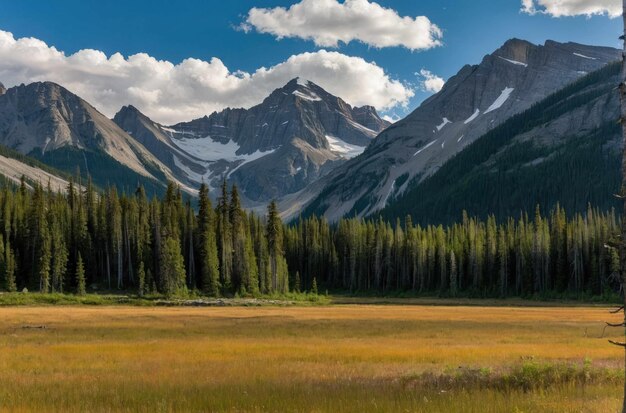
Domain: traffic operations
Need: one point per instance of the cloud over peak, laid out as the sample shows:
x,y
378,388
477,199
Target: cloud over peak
x,y
565,8
430,81
329,22
171,93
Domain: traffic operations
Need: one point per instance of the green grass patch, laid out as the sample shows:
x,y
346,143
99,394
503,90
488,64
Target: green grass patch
x,y
38,299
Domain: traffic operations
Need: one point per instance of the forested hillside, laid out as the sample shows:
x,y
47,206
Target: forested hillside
x,y
84,240
565,149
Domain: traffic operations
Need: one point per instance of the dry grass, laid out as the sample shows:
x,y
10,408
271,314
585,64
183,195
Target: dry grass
x,y
351,358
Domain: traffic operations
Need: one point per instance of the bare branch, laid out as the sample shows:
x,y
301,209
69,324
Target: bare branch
x,y
616,325
617,343
618,310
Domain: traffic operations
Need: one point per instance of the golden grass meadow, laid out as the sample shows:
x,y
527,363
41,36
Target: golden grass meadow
x,y
335,358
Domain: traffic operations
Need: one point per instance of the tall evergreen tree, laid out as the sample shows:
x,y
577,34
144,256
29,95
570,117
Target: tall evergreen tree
x,y
172,268
81,288
207,244
9,268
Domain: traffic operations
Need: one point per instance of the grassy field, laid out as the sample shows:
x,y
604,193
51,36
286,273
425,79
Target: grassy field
x,y
345,358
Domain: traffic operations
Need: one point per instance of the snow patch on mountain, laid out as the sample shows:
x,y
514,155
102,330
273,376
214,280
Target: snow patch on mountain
x,y
209,150
362,128
471,118
428,145
249,158
504,96
584,57
307,96
302,82
393,187
515,62
344,148
444,123
192,175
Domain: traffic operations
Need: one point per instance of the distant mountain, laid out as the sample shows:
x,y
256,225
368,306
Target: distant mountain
x,y
46,121
475,101
296,135
566,149
158,141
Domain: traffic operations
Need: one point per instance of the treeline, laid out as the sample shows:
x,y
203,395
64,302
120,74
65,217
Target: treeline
x,y
54,242
81,240
542,256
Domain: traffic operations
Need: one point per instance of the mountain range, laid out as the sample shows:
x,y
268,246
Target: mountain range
x,y
296,135
507,123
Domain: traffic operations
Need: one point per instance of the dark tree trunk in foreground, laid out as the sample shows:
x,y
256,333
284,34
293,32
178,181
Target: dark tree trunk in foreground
x,y
622,90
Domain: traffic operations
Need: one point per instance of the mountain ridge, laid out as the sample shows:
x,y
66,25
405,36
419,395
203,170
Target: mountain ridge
x,y
565,150
292,138
474,101
48,122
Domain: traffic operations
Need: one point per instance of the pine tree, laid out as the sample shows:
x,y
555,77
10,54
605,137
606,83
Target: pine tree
x,y
9,269
453,274
172,268
296,287
141,275
81,288
275,245
503,258
224,238
59,253
45,255
314,286
209,262
239,258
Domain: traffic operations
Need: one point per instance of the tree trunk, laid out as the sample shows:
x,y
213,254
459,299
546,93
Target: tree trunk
x,y
622,89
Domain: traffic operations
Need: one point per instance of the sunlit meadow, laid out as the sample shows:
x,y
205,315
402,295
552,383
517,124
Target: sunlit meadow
x,y
341,358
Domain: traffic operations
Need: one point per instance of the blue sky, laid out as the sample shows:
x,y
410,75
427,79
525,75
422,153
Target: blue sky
x,y
176,30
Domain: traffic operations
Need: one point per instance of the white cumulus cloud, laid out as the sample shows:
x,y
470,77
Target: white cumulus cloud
x,y
430,81
329,22
171,93
393,118
564,8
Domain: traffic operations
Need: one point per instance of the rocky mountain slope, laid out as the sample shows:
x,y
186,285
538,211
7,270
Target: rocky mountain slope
x,y
296,135
14,166
158,141
476,100
566,149
47,122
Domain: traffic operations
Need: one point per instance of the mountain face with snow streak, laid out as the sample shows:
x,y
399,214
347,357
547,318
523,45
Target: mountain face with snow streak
x,y
474,101
297,134
157,140
565,150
